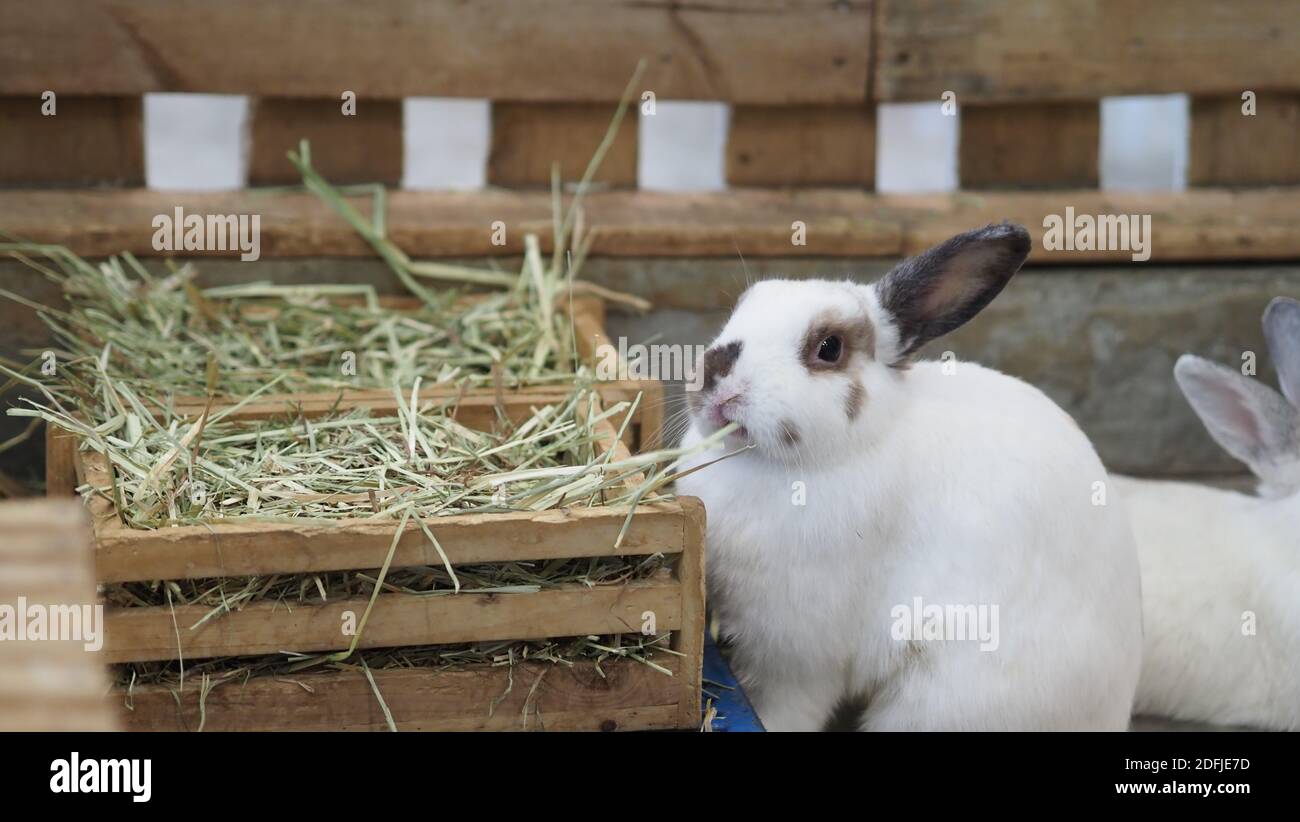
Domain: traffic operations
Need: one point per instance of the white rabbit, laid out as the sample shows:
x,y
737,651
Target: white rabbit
x,y
1221,570
873,480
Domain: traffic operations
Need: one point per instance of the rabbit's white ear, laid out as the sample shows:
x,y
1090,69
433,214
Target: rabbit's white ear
x,y
1248,418
1282,330
940,289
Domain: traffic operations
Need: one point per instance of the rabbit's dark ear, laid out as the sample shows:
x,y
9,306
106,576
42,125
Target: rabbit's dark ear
x,y
940,289
1282,330
1249,419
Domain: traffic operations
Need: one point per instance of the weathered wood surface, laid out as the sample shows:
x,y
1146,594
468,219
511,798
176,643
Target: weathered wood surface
x,y
557,50
802,145
1228,147
1198,225
689,638
527,138
60,462
362,147
622,695
87,141
1023,50
1033,145
759,52
137,634
45,558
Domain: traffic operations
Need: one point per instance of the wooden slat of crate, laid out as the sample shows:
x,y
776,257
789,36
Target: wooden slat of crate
x,y
88,141
1023,50
126,555
623,696
1030,145
802,146
688,640
365,147
528,137
60,462
1199,225
137,634
1230,148
45,558
581,50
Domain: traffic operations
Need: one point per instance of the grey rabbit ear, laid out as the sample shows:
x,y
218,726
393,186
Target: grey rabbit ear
x,y
1282,330
940,289
1244,415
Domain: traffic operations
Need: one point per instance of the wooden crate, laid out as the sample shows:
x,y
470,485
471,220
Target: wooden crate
x,y
627,696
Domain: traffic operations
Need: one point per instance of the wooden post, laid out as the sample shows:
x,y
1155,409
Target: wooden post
x,y
45,558
528,137
1030,145
60,462
802,146
71,141
1229,147
364,147
689,638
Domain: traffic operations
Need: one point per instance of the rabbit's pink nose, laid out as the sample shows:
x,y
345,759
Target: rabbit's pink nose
x,y
726,410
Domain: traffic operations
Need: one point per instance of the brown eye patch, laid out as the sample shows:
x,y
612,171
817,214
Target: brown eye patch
x,y
831,343
718,362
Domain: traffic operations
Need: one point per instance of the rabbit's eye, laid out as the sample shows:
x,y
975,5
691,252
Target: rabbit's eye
x,y
830,349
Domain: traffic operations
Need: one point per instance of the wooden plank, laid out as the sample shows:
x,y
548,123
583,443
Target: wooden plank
x,y
1022,50
1200,225
1231,148
139,634
88,141
126,555
1209,224
802,146
752,51
528,137
1038,145
441,224
45,560
364,147
60,463
313,545
689,639
624,695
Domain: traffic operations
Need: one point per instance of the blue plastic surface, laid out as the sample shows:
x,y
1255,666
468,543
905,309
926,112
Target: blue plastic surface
x,y
734,713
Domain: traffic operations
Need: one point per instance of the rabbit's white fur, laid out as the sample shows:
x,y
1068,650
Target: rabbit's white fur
x,y
1209,557
962,488
1217,565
